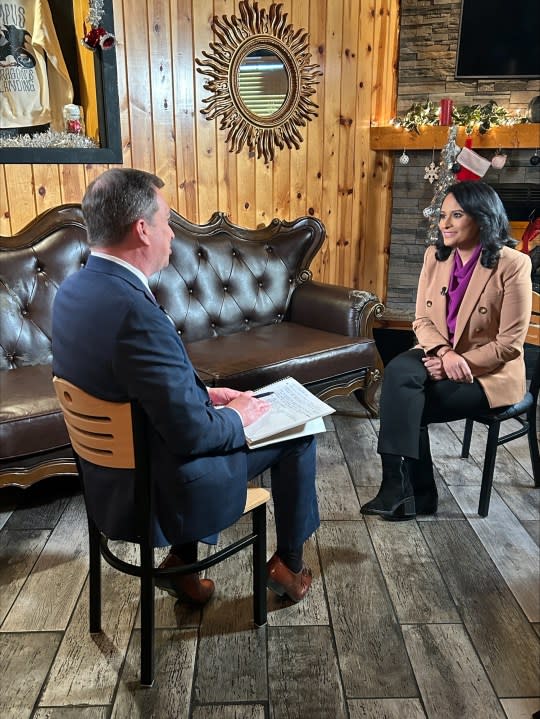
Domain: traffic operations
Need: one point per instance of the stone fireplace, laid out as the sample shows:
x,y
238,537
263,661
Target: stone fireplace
x,y
428,42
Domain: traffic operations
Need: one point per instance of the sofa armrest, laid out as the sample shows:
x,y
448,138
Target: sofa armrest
x,y
335,309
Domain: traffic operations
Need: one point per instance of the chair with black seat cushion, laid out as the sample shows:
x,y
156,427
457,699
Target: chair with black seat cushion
x,y
113,435
523,412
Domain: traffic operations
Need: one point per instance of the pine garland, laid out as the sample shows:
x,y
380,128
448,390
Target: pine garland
x,y
419,113
481,117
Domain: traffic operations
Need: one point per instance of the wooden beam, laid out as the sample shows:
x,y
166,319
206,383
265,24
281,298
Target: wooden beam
x,y
526,135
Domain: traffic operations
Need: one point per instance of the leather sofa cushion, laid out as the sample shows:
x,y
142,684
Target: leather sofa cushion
x,y
30,418
247,360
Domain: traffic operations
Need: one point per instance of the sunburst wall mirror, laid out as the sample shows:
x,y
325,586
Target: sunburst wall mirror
x,y
260,79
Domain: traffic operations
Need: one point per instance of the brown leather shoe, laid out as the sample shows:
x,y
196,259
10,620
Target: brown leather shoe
x,y
188,586
282,580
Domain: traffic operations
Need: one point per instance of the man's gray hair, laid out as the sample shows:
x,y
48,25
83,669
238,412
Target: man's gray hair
x,y
115,200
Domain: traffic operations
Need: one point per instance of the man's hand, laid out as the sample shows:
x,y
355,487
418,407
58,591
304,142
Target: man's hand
x,y
248,407
222,395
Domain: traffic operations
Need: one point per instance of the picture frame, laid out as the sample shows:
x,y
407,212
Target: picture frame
x,y
105,105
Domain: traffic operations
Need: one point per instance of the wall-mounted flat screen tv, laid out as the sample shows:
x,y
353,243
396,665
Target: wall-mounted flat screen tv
x,y
499,38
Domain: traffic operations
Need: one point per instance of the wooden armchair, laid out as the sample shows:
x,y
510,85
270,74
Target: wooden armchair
x,y
113,435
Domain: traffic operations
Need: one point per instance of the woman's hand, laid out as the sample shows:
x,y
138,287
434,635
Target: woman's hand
x,y
434,367
450,366
456,367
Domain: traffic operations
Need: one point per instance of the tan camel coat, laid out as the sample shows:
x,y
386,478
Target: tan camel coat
x,y
491,324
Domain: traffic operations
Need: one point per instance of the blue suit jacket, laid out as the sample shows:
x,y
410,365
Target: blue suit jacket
x,y
110,338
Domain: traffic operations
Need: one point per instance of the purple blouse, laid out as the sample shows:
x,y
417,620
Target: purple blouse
x,y
457,286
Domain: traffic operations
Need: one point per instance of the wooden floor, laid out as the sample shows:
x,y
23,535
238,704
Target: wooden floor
x,y
435,618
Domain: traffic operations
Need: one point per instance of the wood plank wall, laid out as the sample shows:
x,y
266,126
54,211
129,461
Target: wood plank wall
x,y
334,176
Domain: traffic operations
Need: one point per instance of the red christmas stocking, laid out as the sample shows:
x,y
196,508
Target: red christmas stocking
x,y
473,166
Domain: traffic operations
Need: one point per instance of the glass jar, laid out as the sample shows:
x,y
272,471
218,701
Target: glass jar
x,y
73,119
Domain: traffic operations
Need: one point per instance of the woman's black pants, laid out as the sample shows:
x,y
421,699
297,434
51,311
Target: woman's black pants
x,y
411,400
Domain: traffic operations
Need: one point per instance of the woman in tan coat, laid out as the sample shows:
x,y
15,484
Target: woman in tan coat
x,y
472,312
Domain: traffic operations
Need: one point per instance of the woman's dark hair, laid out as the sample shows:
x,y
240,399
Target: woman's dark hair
x,y
483,204
115,200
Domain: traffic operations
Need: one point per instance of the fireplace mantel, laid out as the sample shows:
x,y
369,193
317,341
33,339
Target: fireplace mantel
x,y
526,135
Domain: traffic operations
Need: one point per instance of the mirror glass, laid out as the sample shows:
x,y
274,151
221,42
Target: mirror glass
x,y
262,82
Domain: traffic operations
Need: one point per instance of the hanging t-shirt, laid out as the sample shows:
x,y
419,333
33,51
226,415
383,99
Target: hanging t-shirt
x,y
34,81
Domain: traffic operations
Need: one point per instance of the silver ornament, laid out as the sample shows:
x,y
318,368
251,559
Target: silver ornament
x,y
404,158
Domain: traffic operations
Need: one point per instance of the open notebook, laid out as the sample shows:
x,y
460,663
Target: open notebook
x,y
295,412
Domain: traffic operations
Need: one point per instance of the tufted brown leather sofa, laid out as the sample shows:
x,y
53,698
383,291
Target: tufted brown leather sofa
x,y
242,300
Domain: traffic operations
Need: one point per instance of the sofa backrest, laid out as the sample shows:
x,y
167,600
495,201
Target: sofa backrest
x,y
33,264
221,279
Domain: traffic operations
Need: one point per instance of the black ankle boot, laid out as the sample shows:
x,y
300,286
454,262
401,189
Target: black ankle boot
x,y
395,499
420,473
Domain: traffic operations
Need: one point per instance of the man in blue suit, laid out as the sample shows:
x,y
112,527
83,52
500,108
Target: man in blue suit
x,y
112,339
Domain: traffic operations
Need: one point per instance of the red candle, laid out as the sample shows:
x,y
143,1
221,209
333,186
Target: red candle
x,y
445,111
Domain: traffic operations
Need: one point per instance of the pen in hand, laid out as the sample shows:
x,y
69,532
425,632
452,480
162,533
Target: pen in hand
x,y
262,394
